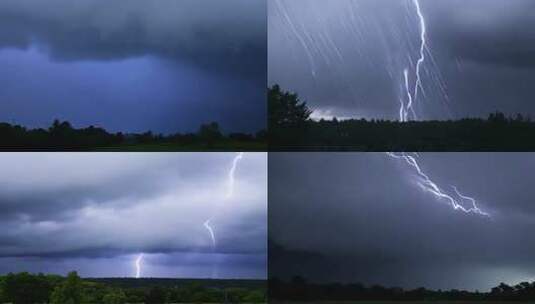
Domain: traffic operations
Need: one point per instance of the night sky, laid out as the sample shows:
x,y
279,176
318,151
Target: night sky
x,y
362,217
347,57
95,213
131,66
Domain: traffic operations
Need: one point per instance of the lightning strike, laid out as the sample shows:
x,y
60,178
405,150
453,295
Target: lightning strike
x,y
412,95
427,185
232,173
139,260
211,232
423,46
231,185
404,114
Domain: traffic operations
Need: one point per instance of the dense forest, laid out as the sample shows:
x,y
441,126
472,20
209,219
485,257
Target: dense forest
x,y
299,290
26,288
291,129
61,136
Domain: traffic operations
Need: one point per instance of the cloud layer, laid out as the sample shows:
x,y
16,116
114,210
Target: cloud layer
x,y
133,66
361,217
94,30
108,206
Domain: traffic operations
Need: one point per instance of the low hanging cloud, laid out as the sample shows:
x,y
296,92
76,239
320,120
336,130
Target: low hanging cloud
x,y
107,205
210,33
132,66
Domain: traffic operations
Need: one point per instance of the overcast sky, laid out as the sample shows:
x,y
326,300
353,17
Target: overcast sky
x,y
361,217
134,65
95,213
347,57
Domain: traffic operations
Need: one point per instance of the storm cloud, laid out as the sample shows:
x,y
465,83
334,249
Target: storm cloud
x,y
346,58
94,30
153,62
361,217
89,211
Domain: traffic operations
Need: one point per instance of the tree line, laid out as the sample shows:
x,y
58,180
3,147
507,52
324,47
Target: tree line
x,y
298,289
26,288
61,135
291,128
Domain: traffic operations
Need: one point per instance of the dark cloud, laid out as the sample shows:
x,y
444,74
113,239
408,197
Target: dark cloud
x,y
167,66
211,34
361,217
357,51
490,32
113,205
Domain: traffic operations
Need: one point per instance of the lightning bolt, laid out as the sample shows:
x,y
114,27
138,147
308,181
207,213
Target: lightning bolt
x,y
404,114
210,231
232,174
423,46
139,260
230,193
231,185
413,96
427,185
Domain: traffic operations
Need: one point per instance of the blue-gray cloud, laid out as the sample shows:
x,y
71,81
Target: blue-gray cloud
x,y
113,206
133,66
361,217
357,51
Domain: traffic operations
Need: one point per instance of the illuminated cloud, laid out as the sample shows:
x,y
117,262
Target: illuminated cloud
x,y
95,206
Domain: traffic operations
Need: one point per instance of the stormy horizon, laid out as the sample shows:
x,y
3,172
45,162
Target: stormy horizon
x,y
137,215
441,221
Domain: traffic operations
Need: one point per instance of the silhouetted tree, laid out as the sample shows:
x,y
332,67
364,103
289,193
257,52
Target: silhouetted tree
x,y
297,289
286,110
62,136
210,133
290,129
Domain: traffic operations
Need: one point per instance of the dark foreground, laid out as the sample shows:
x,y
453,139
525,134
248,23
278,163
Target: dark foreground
x,y
61,136
25,288
495,134
299,290
291,129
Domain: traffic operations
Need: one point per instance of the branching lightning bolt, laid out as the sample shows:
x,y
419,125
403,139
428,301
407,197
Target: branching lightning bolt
x,y
139,260
423,46
413,96
425,181
428,185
